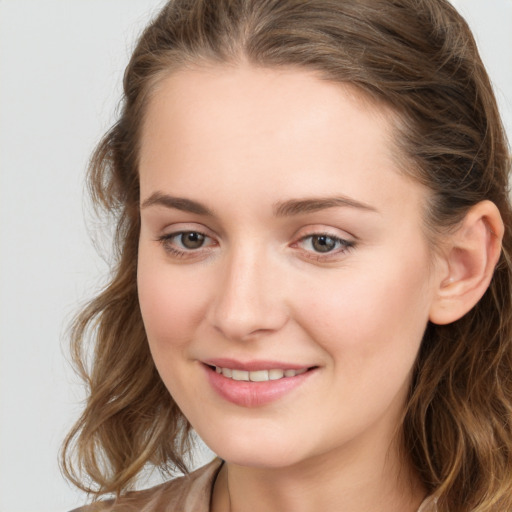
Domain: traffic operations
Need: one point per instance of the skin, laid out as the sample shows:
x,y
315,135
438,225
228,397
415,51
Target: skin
x,y
240,140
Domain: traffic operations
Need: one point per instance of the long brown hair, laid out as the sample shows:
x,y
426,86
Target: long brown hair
x,y
417,56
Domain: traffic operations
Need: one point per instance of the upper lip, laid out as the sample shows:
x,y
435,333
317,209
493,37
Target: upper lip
x,y
255,365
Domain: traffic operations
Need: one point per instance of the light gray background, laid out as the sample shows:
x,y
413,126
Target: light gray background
x,y
61,63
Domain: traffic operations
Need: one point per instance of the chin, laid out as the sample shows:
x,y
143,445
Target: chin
x,y
256,450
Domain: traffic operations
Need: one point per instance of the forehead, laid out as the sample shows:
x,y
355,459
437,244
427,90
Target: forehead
x,y
256,97
284,128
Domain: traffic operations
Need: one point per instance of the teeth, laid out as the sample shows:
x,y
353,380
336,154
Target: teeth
x,y
275,374
239,375
259,375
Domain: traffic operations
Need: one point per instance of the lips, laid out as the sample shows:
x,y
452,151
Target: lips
x,y
255,383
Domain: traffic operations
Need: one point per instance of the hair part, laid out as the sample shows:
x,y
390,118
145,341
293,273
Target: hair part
x,y
417,57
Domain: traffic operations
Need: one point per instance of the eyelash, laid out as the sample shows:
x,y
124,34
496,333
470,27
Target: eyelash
x,y
342,245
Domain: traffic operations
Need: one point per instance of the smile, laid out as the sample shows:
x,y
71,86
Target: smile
x,y
257,383
258,375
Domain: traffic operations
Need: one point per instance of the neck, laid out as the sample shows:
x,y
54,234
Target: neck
x,y
334,482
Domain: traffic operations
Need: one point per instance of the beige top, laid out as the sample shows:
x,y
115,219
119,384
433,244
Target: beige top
x,y
191,493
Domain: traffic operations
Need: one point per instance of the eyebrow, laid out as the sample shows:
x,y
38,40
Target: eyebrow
x,y
287,208
178,203
301,206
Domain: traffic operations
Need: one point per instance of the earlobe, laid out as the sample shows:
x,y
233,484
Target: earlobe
x,y
471,254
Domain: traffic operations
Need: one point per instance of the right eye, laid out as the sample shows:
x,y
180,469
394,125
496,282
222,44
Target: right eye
x,y
191,239
183,242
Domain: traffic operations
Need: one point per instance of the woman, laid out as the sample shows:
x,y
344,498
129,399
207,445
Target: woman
x,y
314,270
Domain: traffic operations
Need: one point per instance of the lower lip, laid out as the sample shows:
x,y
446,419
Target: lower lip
x,y
254,394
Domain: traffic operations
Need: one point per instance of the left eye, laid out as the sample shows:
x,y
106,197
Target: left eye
x,y
322,243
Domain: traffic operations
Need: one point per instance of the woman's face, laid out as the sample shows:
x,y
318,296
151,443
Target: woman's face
x,y
279,236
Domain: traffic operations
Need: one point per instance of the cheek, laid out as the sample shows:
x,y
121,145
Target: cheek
x,y
171,305
375,317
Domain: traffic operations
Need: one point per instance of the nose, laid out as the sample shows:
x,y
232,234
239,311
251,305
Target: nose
x,y
249,301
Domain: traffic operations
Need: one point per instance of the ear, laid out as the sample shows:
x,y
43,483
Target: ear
x,y
469,257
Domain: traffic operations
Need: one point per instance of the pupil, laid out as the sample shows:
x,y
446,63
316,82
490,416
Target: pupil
x,y
323,243
192,240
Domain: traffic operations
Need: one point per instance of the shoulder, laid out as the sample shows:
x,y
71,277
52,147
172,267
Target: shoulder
x,y
429,505
189,493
